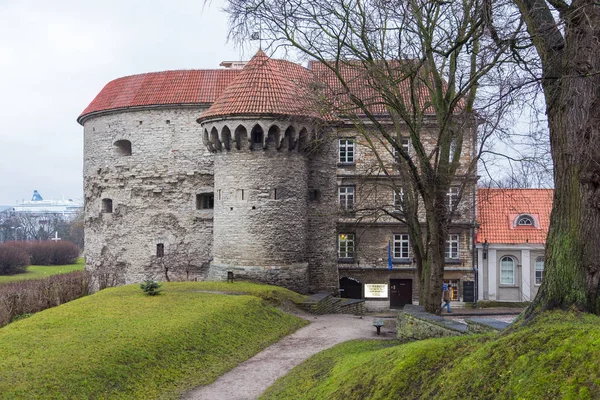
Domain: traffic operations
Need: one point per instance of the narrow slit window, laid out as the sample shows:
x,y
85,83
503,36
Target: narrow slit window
x,y
160,250
107,206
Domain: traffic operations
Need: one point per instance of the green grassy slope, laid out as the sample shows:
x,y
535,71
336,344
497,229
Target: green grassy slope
x,y
43,271
554,357
119,343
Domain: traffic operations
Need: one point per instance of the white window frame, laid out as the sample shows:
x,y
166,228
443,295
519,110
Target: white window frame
x,y
401,246
405,144
398,199
539,272
511,270
522,218
346,151
452,149
453,247
346,245
452,197
346,197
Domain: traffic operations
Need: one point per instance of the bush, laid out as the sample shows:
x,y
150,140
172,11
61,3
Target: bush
x,y
151,288
31,296
49,252
13,260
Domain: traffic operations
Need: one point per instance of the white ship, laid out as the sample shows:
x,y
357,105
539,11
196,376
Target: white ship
x,y
38,205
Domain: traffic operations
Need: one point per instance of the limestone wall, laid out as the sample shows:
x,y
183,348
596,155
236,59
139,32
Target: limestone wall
x,y
153,193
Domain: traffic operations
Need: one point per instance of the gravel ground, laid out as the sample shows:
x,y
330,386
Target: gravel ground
x,y
252,377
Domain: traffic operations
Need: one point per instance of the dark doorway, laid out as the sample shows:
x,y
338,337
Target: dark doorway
x,y
400,292
350,288
468,291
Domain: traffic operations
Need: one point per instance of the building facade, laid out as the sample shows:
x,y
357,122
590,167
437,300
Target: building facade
x,y
194,174
511,241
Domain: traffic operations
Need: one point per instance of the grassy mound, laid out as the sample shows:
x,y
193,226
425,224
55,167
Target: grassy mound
x,y
119,343
553,357
43,271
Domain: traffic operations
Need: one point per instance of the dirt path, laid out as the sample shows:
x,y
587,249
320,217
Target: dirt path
x,y
252,377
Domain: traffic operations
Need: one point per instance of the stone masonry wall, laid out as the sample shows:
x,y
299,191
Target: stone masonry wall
x,y
153,193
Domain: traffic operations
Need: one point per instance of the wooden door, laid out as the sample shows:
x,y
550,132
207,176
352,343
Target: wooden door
x,y
400,292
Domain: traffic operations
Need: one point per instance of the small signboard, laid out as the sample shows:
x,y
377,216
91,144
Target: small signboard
x,y
376,290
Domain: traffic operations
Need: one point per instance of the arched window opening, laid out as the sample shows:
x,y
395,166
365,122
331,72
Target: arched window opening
x,y
107,206
507,271
525,220
539,270
289,138
241,137
257,137
214,139
226,138
123,147
273,137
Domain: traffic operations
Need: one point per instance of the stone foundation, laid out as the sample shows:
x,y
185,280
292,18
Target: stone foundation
x,y
293,276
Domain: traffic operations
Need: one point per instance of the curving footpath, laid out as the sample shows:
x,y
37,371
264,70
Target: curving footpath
x,y
251,378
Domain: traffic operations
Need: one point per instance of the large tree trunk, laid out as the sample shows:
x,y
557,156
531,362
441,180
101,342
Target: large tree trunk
x,y
572,89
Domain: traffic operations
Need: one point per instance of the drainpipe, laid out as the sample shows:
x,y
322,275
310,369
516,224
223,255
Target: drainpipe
x,y
474,212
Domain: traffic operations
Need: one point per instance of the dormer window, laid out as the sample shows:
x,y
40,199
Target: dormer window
x,y
525,220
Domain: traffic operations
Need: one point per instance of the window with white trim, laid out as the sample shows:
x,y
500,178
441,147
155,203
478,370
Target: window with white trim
x,y
539,270
452,150
401,246
346,151
452,247
346,197
346,245
507,271
452,197
525,220
405,144
398,198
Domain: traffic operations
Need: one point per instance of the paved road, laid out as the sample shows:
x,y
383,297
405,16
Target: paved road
x,y
252,377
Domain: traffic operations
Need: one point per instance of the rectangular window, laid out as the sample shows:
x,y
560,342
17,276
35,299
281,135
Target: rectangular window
x,y
160,250
452,197
346,197
398,198
507,271
452,150
205,201
346,245
346,151
107,206
539,270
405,144
401,246
452,247
314,194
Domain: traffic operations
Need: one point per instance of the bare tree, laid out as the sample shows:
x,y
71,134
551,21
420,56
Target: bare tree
x,y
566,36
394,70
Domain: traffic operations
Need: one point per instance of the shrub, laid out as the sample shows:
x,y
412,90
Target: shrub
x,y
151,288
49,252
31,296
13,260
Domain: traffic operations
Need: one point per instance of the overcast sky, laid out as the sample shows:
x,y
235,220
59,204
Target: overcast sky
x,y
55,56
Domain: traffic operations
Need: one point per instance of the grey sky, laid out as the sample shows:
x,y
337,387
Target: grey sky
x,y
56,56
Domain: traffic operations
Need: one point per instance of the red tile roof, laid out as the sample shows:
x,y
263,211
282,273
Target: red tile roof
x,y
267,86
168,87
498,208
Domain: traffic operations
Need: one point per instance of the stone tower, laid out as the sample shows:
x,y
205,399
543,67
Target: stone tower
x,y
261,130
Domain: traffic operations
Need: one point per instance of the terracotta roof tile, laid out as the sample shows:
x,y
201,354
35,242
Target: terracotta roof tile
x,y
168,87
266,86
498,208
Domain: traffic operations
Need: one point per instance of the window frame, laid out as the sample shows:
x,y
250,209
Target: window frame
x,y
525,217
401,246
349,198
399,199
453,239
452,198
346,144
513,270
537,270
346,246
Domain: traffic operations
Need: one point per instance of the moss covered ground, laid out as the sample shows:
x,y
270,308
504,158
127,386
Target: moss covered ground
x,y
119,343
554,356
43,271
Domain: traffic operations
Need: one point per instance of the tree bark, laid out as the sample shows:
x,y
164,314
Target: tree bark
x,y
572,90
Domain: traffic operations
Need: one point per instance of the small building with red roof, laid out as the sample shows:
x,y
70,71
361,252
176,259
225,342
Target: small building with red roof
x,y
510,242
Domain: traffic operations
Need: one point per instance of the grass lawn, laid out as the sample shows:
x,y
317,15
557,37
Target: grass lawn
x,y
43,271
554,357
120,343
